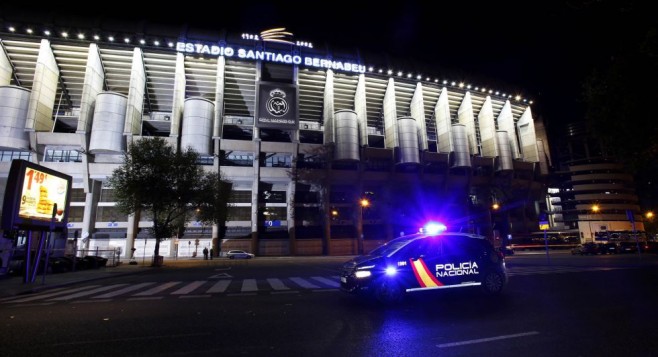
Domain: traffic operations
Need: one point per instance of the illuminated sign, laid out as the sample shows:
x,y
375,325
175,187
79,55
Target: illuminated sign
x,y
35,196
269,56
277,103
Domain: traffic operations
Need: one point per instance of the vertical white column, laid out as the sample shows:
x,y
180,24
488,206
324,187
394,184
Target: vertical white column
x,y
506,122
361,109
328,114
219,99
417,109
390,116
131,234
488,129
136,90
179,96
527,137
93,84
44,90
443,123
89,215
465,116
5,68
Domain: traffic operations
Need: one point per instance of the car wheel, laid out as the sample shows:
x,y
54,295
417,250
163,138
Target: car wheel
x,y
232,257
389,292
493,283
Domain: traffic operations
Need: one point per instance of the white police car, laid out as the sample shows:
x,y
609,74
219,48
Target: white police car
x,y
433,259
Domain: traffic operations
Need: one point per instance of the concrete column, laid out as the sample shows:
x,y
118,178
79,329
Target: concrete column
x,y
506,122
417,109
216,242
527,137
390,117
443,123
89,217
328,114
254,197
131,233
219,99
5,68
93,84
179,96
361,109
488,129
137,86
44,91
290,212
465,116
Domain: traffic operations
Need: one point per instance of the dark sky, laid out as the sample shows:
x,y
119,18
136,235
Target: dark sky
x,y
541,49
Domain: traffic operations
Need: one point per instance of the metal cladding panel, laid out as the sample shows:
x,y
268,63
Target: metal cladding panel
x,y
198,115
408,139
347,135
505,161
14,102
107,127
460,146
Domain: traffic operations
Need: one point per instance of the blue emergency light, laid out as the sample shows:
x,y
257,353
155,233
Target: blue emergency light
x,y
434,228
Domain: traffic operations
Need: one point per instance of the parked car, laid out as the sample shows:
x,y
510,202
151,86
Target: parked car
x,y
239,254
608,248
586,248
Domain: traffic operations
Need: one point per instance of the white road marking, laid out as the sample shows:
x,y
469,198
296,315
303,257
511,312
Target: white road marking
x,y
249,285
188,288
277,284
86,293
332,283
41,296
489,339
123,291
304,283
158,289
219,287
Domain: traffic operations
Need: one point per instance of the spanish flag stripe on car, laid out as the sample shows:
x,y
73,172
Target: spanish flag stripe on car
x,y
423,275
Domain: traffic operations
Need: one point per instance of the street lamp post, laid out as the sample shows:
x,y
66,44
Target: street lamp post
x,y
363,203
494,207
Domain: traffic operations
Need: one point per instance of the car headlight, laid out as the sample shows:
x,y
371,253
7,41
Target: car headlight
x,y
362,273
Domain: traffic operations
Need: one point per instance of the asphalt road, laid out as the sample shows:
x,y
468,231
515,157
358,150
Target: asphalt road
x,y
574,306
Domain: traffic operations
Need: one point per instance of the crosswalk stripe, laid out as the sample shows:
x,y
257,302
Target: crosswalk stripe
x,y
188,288
87,293
249,285
123,291
323,280
43,296
277,284
219,287
158,289
304,283
14,297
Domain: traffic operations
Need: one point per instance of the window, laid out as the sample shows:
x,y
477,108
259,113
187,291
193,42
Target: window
x,y
109,214
240,197
239,214
76,213
8,156
238,158
276,160
62,156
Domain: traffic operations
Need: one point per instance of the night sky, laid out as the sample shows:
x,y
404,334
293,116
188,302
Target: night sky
x,y
541,50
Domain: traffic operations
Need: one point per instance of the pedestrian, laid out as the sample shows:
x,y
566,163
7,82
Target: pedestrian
x,y
210,253
205,253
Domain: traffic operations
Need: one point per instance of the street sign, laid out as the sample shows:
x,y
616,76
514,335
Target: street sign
x,y
543,225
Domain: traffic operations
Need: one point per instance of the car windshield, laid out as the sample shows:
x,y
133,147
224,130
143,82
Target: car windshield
x,y
393,246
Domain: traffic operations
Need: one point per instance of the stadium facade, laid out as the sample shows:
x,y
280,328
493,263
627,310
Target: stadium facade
x,y
302,134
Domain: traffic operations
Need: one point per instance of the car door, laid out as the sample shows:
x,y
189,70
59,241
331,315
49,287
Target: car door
x,y
459,262
422,264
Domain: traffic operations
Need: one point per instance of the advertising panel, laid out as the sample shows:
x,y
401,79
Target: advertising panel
x,y
34,193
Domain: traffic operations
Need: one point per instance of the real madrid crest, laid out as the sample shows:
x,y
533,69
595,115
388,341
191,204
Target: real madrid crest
x,y
277,104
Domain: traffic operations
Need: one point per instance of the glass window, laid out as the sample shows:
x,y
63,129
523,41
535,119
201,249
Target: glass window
x,y
76,213
240,197
109,214
276,160
8,156
78,195
62,156
239,214
107,195
238,158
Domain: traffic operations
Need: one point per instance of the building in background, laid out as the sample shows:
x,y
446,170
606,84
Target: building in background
x,y
303,135
591,193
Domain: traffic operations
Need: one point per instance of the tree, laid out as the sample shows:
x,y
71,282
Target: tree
x,y
170,185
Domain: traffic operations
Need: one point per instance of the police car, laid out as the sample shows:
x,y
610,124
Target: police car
x,y
432,259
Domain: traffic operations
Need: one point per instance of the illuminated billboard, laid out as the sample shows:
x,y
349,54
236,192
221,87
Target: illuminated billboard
x,y
36,196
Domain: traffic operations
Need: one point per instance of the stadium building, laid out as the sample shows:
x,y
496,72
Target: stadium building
x,y
302,133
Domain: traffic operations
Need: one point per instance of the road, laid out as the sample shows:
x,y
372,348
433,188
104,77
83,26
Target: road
x,y
574,306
